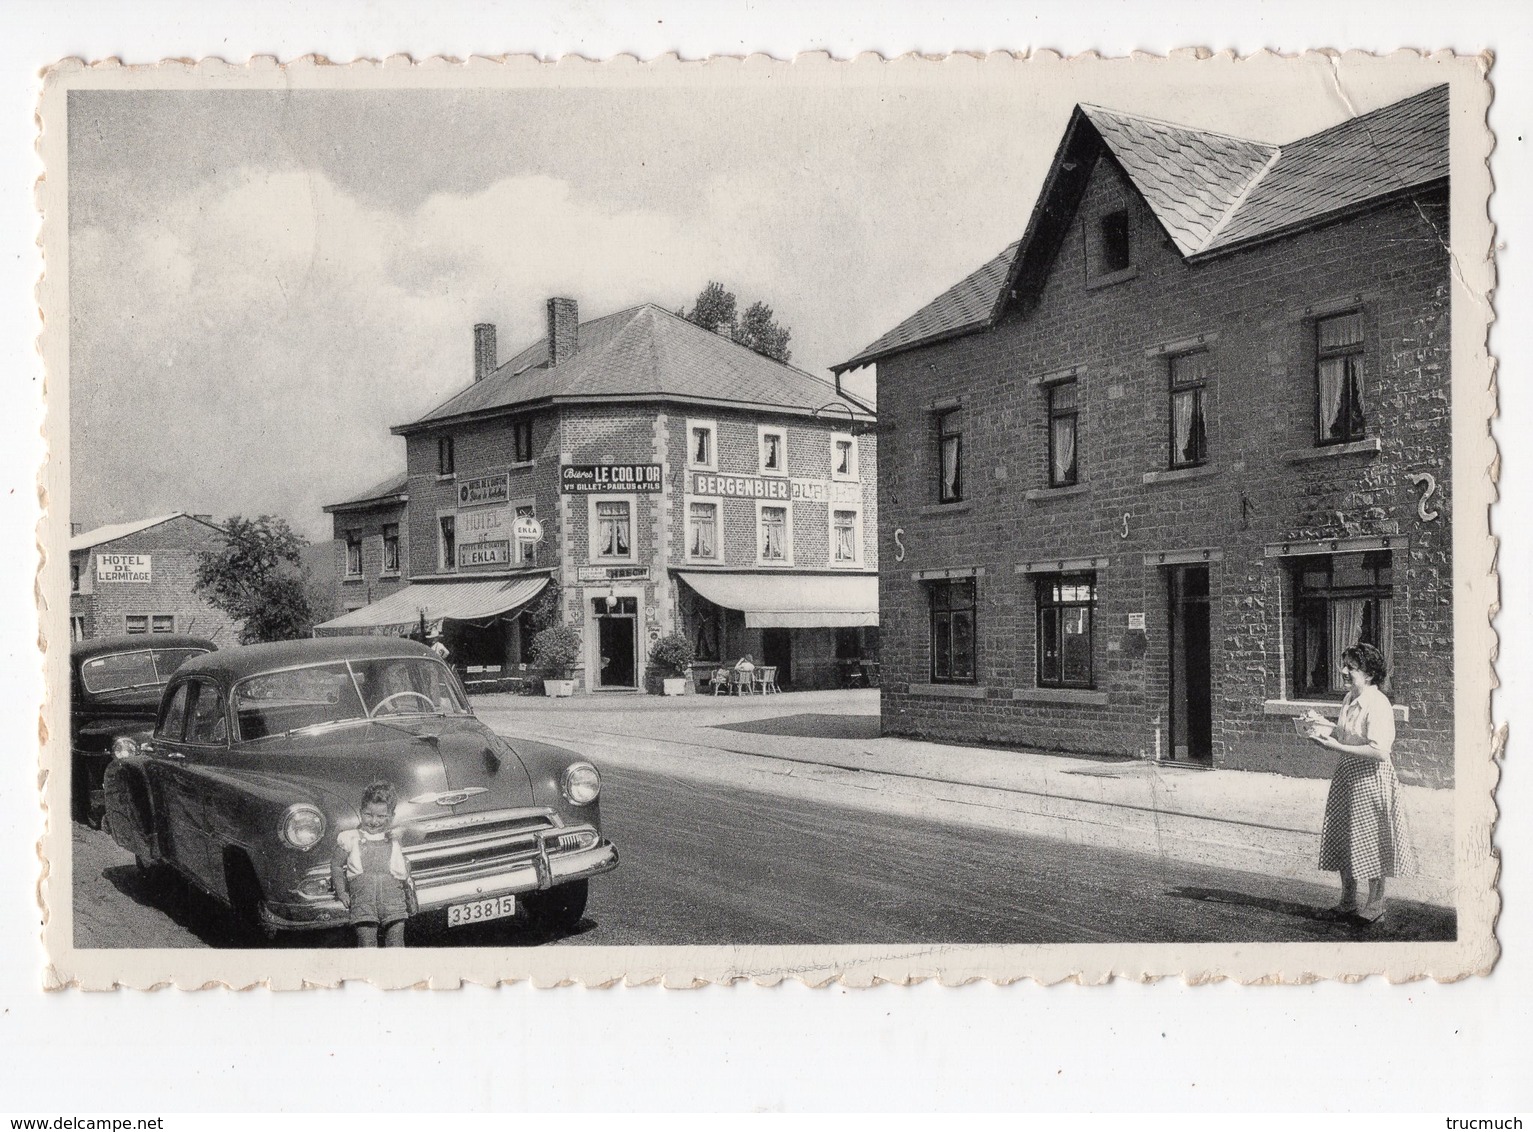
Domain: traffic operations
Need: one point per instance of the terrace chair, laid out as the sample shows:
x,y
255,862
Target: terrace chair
x,y
719,680
766,679
742,679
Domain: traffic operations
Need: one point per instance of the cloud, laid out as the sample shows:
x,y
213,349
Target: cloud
x,y
247,349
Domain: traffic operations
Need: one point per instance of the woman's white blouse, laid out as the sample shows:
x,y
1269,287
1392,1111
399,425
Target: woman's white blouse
x,y
1367,717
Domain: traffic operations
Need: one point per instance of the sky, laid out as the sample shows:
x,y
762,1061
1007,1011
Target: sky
x,y
263,282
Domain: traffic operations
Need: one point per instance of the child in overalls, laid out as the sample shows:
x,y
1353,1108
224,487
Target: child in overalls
x,y
371,874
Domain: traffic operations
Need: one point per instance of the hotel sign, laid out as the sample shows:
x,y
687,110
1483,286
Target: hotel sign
x,y
583,479
488,525
124,568
484,490
484,553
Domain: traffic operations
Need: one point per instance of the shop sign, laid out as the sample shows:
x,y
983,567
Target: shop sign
x,y
484,553
527,529
612,573
582,479
824,491
1136,621
488,525
124,568
484,490
741,487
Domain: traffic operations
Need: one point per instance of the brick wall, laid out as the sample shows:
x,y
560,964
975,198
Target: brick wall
x,y
367,523
1256,310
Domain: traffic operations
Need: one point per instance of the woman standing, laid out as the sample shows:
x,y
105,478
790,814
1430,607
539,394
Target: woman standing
x,y
1364,836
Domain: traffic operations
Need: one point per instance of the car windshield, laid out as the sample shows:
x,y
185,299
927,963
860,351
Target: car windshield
x,y
143,668
278,702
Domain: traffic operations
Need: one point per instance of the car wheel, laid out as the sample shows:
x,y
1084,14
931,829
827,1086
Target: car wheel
x,y
244,889
558,909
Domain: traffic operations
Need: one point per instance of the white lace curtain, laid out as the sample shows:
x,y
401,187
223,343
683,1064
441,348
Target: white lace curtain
x,y
846,526
773,520
1063,429
613,534
702,530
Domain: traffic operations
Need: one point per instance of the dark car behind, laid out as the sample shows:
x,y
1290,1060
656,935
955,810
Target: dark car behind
x,y
114,695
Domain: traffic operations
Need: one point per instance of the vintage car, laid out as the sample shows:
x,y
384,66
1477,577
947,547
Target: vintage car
x,y
259,758
114,697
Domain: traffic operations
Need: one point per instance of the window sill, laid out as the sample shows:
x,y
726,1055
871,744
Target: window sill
x,y
352,579
1080,696
1112,279
1032,495
518,465
391,575
775,564
1367,447
846,565
713,471
1328,708
1176,475
441,476
957,507
845,479
950,691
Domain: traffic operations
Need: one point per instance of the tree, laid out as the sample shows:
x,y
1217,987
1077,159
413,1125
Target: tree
x,y
255,578
715,310
759,331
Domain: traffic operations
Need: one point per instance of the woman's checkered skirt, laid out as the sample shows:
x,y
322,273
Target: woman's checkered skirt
x,y
1365,833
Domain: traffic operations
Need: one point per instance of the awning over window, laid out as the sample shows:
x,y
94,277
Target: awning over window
x,y
400,612
779,601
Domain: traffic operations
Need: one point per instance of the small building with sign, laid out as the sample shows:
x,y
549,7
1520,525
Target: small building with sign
x,y
633,476
1148,473
137,578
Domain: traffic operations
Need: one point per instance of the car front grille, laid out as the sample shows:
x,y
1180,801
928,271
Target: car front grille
x,y
464,848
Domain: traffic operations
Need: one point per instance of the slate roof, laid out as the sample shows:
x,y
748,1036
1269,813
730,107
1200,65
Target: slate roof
x,y
1213,193
645,352
396,485
100,536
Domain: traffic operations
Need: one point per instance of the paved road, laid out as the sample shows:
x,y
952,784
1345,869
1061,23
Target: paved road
x,y
705,864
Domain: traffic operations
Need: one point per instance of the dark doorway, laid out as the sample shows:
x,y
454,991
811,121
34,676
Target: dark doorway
x,y
777,651
617,636
1192,708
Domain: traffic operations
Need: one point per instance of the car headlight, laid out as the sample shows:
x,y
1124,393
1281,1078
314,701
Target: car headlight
x,y
581,783
124,747
302,826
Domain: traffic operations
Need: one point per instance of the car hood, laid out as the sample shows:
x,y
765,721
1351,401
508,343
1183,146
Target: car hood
x,y
439,765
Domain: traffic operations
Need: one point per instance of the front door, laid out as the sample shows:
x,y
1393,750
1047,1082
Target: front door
x,y
618,637
777,651
1192,720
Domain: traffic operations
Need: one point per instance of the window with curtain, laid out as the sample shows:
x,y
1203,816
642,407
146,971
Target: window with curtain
x,y
950,456
444,456
448,541
391,548
952,631
1340,600
1066,605
774,534
774,456
1064,459
1339,378
521,435
613,529
353,554
1189,429
843,529
843,458
703,522
700,446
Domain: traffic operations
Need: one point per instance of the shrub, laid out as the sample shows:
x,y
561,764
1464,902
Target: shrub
x,y
556,650
673,653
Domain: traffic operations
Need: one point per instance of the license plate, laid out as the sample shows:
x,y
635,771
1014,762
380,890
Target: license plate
x,y
495,908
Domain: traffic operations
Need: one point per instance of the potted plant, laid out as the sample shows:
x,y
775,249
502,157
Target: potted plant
x,y
672,654
555,652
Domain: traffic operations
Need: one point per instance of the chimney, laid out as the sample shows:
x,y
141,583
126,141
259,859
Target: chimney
x,y
563,330
485,359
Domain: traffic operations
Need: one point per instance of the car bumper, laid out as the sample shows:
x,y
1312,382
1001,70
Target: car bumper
x,y
535,874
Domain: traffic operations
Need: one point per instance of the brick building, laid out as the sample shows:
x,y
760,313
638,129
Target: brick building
x,y
680,481
370,547
137,578
1147,473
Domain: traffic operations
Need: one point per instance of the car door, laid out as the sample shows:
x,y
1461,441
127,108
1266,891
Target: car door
x,y
192,735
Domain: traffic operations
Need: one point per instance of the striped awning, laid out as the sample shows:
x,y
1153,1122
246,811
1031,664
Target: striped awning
x,y
783,601
434,602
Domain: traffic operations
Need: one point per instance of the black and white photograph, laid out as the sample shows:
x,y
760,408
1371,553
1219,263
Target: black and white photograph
x,y
862,520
